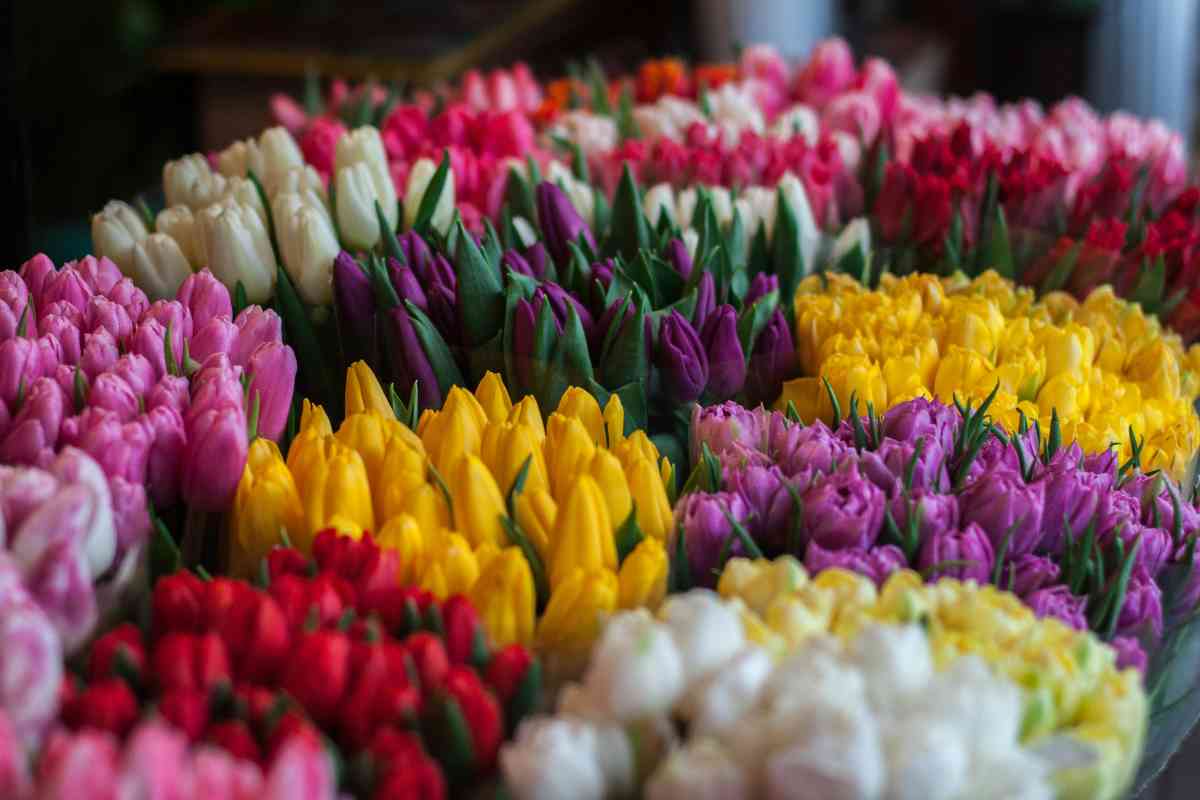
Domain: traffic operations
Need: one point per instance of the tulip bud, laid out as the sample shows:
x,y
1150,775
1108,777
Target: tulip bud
x,y
213,458
307,244
20,366
493,397
561,224
726,361
478,503
363,392
419,178
67,286
355,301
583,532
238,248
272,371
568,450
649,498
681,360
256,327
116,230
34,430
504,595
642,580
658,201
110,391
410,363
179,223
573,616
362,179
189,181
34,273
536,513
333,482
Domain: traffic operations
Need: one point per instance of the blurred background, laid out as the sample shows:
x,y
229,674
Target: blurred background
x,y
97,96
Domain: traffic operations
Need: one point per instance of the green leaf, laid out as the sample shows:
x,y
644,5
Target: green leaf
x,y
760,253
538,569
599,88
239,298
572,351
445,368
627,127
786,254
680,570
433,192
480,293
266,204
997,251
1061,273
754,319
625,361
165,558
628,536
630,231
1151,284
313,104
518,193
391,245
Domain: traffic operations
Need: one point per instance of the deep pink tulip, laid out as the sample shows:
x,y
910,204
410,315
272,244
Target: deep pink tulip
x,y
272,372
213,458
256,326
205,297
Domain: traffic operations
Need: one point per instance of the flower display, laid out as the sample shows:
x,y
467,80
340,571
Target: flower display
x,y
829,687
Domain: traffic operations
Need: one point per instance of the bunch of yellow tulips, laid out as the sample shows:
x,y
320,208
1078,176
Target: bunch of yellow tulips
x,y
546,526
1102,364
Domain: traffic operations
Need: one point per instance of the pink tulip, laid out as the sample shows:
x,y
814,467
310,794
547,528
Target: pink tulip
x,y
111,391
104,313
64,376
272,372
74,467
529,90
100,274
148,341
15,303
170,313
879,80
213,457
35,272
217,385
166,454
99,353
121,450
256,326
856,113
69,286
218,335
66,332
829,72
137,371
55,570
301,770
124,293
172,392
14,769
217,774
205,297
131,515
36,426
20,366
73,760
154,762
288,113
22,490
30,660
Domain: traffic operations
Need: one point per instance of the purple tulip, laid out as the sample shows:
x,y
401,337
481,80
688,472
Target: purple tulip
x,y
767,497
1007,508
100,274
1158,510
213,458
68,336
773,360
205,298
166,454
1073,497
112,392
217,335
133,299
137,372
1142,611
561,300
996,457
560,222
678,257
536,255
877,563
681,360
417,254
724,425
272,372
602,274
726,361
929,469
809,447
35,273
99,353
20,366
512,260
442,294
1129,653
762,285
68,286
524,339
172,392
919,417
707,532
62,309
256,326
131,514
410,362
843,510
601,327
737,457
148,341
1026,574
706,300
407,285
1058,602
36,426
355,301
1104,463
1154,550
936,514
965,554
104,313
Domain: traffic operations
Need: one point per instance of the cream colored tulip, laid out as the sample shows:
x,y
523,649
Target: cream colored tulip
x,y
189,181
116,230
810,235
158,266
307,244
362,180
179,223
238,248
856,232
271,157
419,178
659,200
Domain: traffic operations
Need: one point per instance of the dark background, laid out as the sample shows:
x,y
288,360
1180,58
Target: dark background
x,y
98,95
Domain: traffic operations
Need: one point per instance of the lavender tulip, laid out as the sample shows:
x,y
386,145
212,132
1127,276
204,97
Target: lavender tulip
x,y
1009,509
919,417
681,360
1058,602
766,496
1073,498
707,532
726,361
1142,612
1027,574
843,510
1130,653
1104,463
31,659
876,563
409,360
706,300
965,554
773,360
936,514
721,426
812,446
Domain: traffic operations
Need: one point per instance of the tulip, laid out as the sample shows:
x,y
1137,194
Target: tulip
x,y
238,248
166,454
35,428
971,546
650,501
32,662
214,457
121,449
205,298
493,397
216,386
218,335
272,371
307,244
682,359
116,230
75,467
402,535
189,181
606,469
48,553
937,513
111,392
504,596
726,361
1006,508
362,180
707,532
536,513
478,503
20,366
642,580
722,426
569,448
35,272
410,363
332,482
355,301
1058,602
159,266
558,756
405,467
877,563
363,392
419,177
125,293
561,224
131,517
843,510
180,224
583,532
450,565
573,617
103,313
505,447
256,327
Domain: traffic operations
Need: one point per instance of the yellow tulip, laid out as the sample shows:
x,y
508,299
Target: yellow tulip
x,y
402,534
345,525
332,480
314,419
505,447
1064,393
583,533
478,504
266,506
427,504
636,445
536,513
649,499
1156,369
606,470
963,374
526,412
614,421
504,596
369,433
575,613
455,431
363,392
1070,349
1021,374
401,473
642,579
848,375
568,449
580,404
493,397
903,379
450,566
805,395
758,582
484,554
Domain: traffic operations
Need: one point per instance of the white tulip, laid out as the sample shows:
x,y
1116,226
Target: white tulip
x,y
179,223
894,660
793,192
726,696
834,755
115,232
307,244
238,248
583,197
362,179
701,770
926,760
419,178
302,179
685,206
735,110
280,155
722,205
799,120
159,266
239,159
190,181
552,758
243,192
707,631
857,233
691,240
659,200
75,467
636,670
850,149
594,133
758,203
525,232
